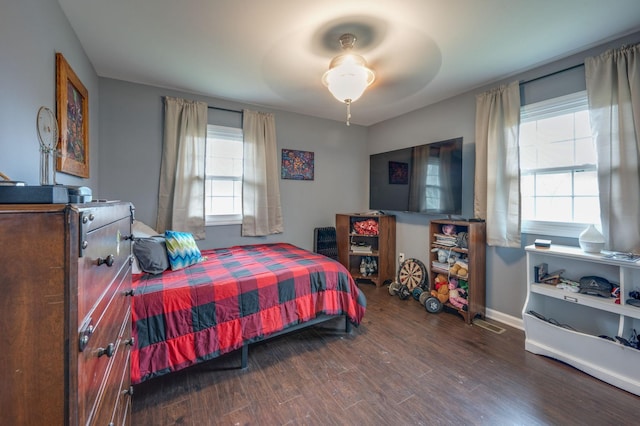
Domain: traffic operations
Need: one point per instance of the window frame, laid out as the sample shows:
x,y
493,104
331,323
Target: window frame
x,y
573,102
228,219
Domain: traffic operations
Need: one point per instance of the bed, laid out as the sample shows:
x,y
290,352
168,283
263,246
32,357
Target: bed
x,y
235,297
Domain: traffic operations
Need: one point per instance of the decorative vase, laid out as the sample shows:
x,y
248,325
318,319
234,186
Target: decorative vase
x,y
591,240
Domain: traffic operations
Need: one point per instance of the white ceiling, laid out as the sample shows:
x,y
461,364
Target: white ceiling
x,y
273,52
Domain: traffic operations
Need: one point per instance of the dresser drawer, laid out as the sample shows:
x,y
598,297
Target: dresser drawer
x,y
106,254
97,215
105,347
114,406
116,397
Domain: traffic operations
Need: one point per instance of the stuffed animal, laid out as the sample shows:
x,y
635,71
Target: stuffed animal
x,y
442,293
449,229
441,280
456,295
446,256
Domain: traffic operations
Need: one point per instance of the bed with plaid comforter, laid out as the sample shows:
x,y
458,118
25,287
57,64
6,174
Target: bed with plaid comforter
x,y
237,296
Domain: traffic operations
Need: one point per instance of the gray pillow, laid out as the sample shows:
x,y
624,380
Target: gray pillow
x,y
151,254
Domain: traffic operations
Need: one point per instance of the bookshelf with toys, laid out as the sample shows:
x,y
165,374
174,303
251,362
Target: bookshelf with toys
x,y
457,260
367,246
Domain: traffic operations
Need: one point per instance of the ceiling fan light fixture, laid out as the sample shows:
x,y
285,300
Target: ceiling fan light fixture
x,y
348,75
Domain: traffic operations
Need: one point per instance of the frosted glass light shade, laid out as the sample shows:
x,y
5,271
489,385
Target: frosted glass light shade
x,y
348,77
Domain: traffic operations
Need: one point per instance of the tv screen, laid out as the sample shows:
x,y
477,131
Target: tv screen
x,y
422,179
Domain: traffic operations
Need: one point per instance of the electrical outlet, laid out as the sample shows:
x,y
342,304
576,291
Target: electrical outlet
x,y
401,257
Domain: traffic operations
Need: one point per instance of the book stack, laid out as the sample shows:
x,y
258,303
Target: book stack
x,y
445,240
364,249
440,265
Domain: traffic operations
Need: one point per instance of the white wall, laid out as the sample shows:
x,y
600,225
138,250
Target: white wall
x,y
131,131
454,117
31,32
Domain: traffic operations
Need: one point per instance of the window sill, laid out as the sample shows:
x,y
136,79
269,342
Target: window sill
x,y
559,229
223,220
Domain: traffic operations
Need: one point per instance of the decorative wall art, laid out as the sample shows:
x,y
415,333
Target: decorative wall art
x,y
398,173
297,165
72,102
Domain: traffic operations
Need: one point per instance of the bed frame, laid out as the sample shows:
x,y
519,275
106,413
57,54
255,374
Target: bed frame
x,y
318,320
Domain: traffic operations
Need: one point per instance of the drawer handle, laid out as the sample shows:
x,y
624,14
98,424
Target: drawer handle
x,y
131,341
108,261
108,351
85,334
87,219
129,292
128,391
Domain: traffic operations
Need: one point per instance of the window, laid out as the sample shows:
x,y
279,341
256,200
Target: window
x,y
223,168
558,175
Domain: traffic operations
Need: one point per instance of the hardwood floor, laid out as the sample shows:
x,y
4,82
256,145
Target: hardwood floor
x,y
402,366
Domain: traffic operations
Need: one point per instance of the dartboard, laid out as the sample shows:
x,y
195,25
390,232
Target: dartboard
x,y
412,273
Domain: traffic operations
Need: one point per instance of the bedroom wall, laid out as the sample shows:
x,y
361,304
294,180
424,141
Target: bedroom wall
x,y
31,32
454,117
131,117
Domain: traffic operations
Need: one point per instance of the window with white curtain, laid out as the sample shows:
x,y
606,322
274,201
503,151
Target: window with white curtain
x,y
223,168
558,175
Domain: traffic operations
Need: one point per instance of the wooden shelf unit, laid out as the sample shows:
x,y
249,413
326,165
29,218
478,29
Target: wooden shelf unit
x,y
383,246
474,252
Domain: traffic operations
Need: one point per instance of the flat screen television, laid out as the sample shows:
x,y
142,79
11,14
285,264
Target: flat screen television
x,y
422,179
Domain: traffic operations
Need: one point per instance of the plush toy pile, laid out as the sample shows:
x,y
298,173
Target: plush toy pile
x,y
451,290
366,227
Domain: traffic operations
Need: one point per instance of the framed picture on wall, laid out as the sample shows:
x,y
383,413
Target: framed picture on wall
x,y
297,165
72,103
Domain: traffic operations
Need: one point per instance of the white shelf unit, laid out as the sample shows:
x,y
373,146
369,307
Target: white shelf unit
x,y
588,316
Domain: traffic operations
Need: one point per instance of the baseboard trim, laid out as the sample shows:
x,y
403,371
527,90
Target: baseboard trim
x,y
509,320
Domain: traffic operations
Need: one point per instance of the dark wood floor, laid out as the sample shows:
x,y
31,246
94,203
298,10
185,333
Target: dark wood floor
x,y
402,366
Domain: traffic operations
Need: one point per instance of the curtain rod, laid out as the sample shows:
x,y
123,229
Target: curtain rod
x,y
552,74
225,109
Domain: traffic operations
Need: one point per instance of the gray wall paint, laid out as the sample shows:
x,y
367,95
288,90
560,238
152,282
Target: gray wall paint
x,y
131,128
454,117
126,136
31,32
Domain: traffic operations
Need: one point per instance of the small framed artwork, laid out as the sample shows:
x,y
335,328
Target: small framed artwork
x,y
398,173
72,103
297,165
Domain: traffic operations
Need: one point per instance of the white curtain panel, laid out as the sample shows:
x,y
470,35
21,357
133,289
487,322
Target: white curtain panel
x,y
613,90
261,211
497,178
181,191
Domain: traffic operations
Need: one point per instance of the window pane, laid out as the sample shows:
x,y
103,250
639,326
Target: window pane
x,y
555,209
583,125
585,151
556,154
586,183
528,157
528,208
587,210
527,187
558,162
223,190
556,128
221,205
553,184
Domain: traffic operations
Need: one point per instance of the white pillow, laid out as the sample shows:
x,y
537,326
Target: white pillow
x,y
140,230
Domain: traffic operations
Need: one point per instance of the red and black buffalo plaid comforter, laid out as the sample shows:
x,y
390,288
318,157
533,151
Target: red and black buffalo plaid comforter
x,y
238,295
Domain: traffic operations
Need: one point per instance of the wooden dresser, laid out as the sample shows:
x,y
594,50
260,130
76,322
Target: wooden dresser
x,y
65,314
